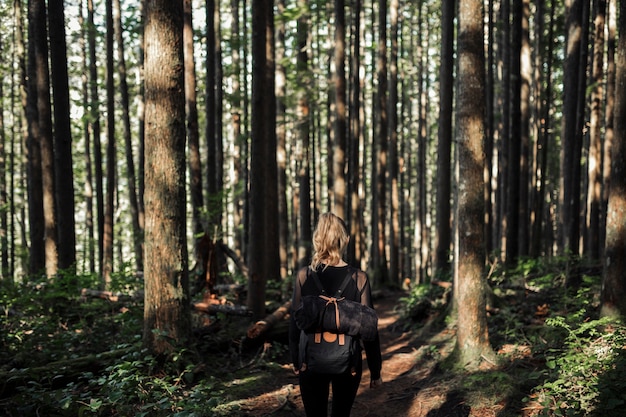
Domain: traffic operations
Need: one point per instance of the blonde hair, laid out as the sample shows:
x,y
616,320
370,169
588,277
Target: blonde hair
x,y
330,240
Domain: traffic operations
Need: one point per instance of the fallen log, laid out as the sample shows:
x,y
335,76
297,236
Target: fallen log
x,y
110,296
262,326
229,309
59,373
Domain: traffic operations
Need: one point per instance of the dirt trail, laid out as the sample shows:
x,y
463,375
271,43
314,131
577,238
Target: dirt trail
x,y
407,370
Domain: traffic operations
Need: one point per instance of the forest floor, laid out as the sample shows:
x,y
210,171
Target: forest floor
x,y
413,385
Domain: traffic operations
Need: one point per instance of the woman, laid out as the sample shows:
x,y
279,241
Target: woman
x,y
330,241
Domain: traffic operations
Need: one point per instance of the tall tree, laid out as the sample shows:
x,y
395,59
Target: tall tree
x,y
64,175
613,295
281,137
379,154
444,138
571,130
167,310
304,131
4,214
128,143
37,261
525,114
263,261
353,215
341,112
392,168
472,344
594,188
193,134
609,128
94,119
42,137
108,239
514,136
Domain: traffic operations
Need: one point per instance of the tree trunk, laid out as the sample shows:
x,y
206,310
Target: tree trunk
x,y
95,126
303,132
610,106
37,262
593,245
444,139
167,309
339,144
514,138
569,196
281,136
472,344
263,260
130,163
354,173
108,238
43,137
64,175
193,135
525,113
394,226
613,295
379,156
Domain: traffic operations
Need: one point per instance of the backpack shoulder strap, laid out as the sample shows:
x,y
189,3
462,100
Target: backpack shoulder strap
x,y
345,282
342,287
316,280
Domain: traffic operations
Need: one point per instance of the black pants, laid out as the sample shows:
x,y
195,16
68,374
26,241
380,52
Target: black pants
x,y
315,390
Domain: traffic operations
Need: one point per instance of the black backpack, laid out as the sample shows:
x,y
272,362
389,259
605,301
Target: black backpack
x,y
324,350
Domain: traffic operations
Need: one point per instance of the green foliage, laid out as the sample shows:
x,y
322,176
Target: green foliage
x,y
46,324
584,369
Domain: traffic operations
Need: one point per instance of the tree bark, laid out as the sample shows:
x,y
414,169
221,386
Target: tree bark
x,y
128,144
44,137
613,294
593,246
444,139
472,345
108,237
167,308
303,132
340,138
64,175
263,260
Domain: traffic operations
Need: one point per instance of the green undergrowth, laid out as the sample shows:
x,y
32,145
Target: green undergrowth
x,y
66,355
557,356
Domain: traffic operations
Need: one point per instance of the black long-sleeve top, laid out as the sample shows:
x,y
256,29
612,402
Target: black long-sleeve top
x,y
358,289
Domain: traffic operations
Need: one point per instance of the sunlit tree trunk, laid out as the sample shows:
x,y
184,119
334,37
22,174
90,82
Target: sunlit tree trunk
x,y
472,345
167,321
609,110
613,294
